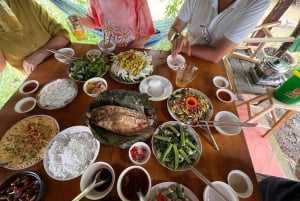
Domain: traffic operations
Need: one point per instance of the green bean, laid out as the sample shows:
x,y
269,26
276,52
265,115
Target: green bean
x,y
166,152
190,144
176,156
184,155
182,136
173,129
164,138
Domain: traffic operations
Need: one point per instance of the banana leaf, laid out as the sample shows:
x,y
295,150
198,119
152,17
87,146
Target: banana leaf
x,y
129,99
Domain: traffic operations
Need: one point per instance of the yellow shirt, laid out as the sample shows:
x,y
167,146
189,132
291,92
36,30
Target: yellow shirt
x,y
38,29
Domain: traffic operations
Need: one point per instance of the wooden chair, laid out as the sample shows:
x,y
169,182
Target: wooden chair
x,y
252,46
271,107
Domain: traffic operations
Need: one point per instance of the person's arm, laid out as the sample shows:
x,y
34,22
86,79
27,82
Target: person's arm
x,y
88,22
2,62
37,57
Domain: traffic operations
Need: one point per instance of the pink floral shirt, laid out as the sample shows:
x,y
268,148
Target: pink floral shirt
x,y
123,20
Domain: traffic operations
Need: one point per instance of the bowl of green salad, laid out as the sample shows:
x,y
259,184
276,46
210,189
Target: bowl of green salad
x,y
89,66
176,145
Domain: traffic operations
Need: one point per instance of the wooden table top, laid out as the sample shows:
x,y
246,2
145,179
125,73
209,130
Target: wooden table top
x,y
215,165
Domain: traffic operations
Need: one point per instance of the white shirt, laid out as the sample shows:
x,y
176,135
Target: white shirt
x,y
234,23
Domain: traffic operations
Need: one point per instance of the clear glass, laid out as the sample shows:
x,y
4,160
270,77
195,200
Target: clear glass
x,y
76,27
185,74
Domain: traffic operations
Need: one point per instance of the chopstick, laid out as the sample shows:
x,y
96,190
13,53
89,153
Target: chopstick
x,y
61,54
212,137
225,124
206,181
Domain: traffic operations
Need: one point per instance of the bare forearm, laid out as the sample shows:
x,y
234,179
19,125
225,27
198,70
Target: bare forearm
x,y
87,22
2,62
138,42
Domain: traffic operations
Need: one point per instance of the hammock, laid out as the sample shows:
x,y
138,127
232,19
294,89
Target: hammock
x,y
71,8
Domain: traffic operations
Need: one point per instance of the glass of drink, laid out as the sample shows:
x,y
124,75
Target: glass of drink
x,y
185,74
77,27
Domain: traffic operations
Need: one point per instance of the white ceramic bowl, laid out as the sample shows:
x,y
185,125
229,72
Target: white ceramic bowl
x,y
66,51
210,195
240,183
94,86
133,179
139,153
88,176
227,117
225,95
94,52
29,86
25,105
220,82
174,63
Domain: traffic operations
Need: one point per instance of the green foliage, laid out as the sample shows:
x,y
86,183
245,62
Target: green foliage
x,y
172,7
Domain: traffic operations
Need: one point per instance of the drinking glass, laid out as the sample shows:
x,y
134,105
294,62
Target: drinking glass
x,y
185,74
76,27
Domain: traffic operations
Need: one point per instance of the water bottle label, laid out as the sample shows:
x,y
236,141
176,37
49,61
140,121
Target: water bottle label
x,y
293,94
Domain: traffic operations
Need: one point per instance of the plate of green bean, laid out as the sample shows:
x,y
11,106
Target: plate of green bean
x,y
176,145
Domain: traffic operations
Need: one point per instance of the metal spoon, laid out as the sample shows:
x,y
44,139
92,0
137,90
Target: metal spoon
x,y
98,181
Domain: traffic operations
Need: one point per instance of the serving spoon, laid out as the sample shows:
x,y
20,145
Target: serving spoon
x,y
100,179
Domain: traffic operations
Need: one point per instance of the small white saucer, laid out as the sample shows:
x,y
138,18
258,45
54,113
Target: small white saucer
x,y
220,82
25,105
158,87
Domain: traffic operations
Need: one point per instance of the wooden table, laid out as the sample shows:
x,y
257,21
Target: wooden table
x,y
215,165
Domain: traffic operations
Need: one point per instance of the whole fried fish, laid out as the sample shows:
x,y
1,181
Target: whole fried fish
x,y
119,119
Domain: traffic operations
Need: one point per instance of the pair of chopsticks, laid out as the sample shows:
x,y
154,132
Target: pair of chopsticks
x,y
61,54
206,181
226,124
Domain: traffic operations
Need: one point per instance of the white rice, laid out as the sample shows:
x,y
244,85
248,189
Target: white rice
x,y
57,93
68,157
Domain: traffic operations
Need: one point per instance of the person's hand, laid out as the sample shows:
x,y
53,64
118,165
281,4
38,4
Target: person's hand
x,y
180,44
31,62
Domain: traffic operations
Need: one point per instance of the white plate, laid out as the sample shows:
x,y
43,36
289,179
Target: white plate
x,y
60,170
179,98
160,92
187,191
55,94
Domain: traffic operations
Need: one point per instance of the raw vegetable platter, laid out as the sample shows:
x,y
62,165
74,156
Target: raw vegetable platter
x,y
131,67
189,106
89,66
176,145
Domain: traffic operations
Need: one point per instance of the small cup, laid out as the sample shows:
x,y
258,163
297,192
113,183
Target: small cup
x,y
29,87
220,82
185,74
94,52
240,183
225,95
107,46
174,63
25,105
155,88
139,153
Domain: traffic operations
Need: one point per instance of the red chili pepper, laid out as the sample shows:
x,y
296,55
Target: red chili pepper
x,y
138,153
160,197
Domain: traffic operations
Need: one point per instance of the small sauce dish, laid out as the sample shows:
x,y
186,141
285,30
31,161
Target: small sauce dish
x,y
226,116
94,52
225,95
240,183
29,87
139,153
220,82
94,86
174,63
25,105
66,51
